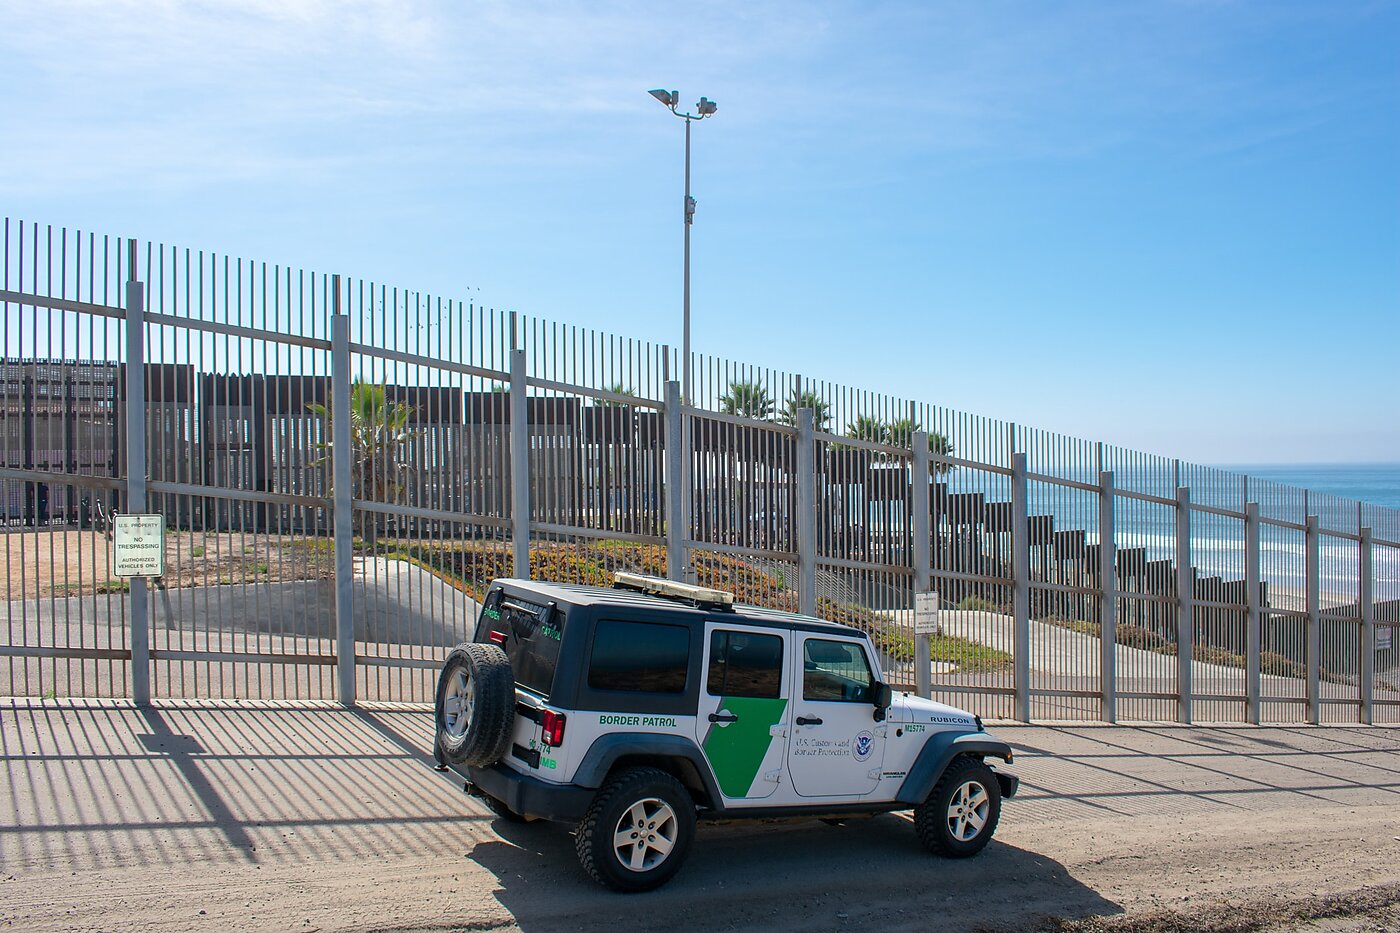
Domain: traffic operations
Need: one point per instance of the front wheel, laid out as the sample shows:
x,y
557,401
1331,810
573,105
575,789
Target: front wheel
x,y
961,813
637,831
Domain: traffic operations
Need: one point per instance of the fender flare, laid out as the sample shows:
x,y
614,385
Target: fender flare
x,y
607,749
938,752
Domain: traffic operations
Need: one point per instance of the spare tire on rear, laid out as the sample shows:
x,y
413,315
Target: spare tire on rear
x,y
475,706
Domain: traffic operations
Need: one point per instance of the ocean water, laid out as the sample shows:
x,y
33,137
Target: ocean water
x,y
1217,543
1374,483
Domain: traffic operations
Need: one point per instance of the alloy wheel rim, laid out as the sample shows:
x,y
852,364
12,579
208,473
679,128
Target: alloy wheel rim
x,y
968,810
458,704
645,834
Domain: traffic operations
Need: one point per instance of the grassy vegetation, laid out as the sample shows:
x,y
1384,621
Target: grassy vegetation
x,y
969,656
471,568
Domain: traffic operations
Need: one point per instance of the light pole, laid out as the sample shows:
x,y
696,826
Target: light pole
x,y
704,108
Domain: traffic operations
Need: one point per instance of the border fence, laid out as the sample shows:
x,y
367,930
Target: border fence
x,y
343,467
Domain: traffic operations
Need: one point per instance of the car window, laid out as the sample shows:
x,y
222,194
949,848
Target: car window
x,y
643,657
745,664
530,634
835,670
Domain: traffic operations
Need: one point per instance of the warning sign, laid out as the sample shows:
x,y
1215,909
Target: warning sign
x,y
926,614
138,545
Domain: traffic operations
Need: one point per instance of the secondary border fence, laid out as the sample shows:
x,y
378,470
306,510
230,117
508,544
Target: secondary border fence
x,y
343,466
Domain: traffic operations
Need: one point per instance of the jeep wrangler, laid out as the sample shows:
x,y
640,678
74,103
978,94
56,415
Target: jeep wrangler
x,y
632,712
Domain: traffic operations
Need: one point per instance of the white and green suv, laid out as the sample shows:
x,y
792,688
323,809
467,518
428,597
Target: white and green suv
x,y
632,712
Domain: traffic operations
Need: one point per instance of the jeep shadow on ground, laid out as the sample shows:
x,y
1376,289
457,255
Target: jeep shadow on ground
x,y
865,873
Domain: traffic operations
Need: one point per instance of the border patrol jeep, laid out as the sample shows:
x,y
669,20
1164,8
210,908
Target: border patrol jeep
x,y
632,712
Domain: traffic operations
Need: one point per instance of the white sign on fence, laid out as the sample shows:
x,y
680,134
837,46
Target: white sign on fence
x,y
1383,636
138,545
926,614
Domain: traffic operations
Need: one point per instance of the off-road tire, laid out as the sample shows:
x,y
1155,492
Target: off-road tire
x,y
932,817
491,721
501,809
596,835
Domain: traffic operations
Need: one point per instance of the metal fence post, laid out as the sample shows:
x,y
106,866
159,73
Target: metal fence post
x,y
806,512
677,525
138,602
1368,631
1021,585
1314,644
519,467
1186,605
1254,624
1108,600
922,557
342,487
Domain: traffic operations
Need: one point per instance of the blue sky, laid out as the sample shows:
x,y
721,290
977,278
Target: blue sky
x,y
1173,226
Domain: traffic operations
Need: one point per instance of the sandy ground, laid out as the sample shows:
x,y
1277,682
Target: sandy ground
x,y
71,562
217,817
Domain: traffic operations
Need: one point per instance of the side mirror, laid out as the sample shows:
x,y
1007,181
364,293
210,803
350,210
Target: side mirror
x,y
881,696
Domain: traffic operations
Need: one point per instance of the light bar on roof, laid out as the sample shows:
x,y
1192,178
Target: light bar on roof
x,y
663,587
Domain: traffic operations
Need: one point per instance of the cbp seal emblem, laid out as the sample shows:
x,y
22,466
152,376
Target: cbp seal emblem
x,y
862,745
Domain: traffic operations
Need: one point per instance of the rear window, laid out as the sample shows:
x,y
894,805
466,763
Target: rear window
x,y
745,664
530,634
642,657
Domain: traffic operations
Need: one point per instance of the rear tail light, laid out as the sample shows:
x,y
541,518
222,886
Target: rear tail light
x,y
498,637
553,728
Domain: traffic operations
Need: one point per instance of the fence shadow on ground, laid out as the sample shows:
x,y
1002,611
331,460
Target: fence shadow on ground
x,y
1177,770
93,784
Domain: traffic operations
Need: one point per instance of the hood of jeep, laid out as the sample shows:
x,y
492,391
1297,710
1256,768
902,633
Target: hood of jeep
x,y
910,708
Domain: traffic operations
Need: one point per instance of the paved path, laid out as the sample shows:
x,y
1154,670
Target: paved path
x,y
400,610
217,817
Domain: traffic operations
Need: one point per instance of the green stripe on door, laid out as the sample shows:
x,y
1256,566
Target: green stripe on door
x,y
737,750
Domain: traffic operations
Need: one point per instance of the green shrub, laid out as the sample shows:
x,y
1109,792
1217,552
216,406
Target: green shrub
x,y
969,656
1138,636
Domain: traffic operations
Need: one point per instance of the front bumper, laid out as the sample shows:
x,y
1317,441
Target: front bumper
x,y
1010,783
529,796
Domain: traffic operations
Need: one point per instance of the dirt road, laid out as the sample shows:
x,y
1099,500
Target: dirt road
x,y
324,819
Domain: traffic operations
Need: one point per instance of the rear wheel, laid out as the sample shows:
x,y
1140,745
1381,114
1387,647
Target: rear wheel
x,y
638,830
961,813
475,706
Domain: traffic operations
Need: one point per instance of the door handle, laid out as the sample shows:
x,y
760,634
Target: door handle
x,y
808,720
723,717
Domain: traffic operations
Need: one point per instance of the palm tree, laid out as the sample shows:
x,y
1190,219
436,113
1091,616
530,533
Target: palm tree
x,y
939,443
821,411
902,435
617,388
869,428
379,436
611,447
747,400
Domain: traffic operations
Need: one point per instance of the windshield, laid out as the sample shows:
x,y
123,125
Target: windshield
x,y
530,634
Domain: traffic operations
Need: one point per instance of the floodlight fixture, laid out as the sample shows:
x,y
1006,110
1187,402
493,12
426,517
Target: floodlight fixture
x,y
668,98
